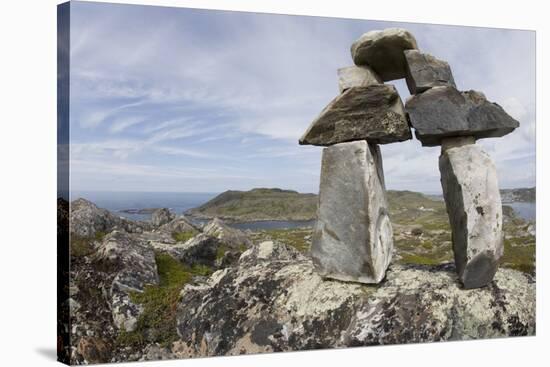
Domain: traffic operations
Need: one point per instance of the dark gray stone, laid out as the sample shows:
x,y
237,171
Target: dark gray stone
x,y
352,238
374,113
442,112
470,189
425,71
383,51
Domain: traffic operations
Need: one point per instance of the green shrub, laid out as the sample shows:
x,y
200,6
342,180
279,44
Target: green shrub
x,y
157,323
184,236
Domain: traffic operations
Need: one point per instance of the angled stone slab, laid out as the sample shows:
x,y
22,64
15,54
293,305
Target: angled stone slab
x,y
472,197
356,76
442,112
383,51
424,71
374,113
353,238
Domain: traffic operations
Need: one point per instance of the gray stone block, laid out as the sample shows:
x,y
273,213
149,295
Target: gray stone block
x,y
383,51
356,76
353,238
472,197
424,71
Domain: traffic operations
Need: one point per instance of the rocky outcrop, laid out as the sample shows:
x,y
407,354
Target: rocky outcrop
x,y
383,51
352,239
273,300
232,238
356,76
374,113
424,71
442,112
178,224
470,189
86,219
201,249
135,267
161,216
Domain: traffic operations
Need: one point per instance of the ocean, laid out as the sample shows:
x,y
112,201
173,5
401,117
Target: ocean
x,y
178,202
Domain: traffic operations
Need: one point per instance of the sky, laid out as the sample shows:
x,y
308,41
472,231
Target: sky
x,y
182,100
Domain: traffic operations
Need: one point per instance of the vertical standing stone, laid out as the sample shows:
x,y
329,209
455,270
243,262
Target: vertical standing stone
x,y
472,197
352,239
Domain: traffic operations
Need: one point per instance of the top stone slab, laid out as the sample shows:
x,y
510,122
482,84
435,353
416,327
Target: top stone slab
x,y
442,112
383,52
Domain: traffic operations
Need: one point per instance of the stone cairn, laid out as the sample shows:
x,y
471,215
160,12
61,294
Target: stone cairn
x,y
353,237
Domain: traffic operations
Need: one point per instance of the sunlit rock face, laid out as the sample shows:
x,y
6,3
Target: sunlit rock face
x,y
472,197
352,239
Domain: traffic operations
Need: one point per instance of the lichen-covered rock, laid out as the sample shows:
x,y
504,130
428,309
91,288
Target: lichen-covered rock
x,y
232,238
383,51
93,350
442,112
352,238
268,303
472,197
374,113
86,219
161,216
426,304
135,266
178,224
201,249
424,71
356,76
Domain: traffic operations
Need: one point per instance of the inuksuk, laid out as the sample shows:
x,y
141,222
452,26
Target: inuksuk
x,y
353,238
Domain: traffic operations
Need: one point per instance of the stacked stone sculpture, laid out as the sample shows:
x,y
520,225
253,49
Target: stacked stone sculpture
x,y
353,238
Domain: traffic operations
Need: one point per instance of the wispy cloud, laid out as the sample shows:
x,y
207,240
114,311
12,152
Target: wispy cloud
x,y
161,90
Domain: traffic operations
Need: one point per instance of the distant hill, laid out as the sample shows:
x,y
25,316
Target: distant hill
x,y
277,204
515,195
259,204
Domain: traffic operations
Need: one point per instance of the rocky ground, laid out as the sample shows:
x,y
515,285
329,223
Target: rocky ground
x,y
142,291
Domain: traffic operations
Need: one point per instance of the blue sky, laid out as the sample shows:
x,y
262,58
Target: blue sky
x,y
174,99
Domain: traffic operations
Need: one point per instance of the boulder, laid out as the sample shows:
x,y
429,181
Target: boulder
x,y
178,224
86,219
271,304
356,76
383,52
161,216
201,249
232,238
442,112
352,238
135,266
424,71
374,113
470,189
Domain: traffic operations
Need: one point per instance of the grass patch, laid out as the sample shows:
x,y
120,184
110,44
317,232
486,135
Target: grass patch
x,y
83,246
157,323
220,252
184,236
519,255
292,237
418,259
